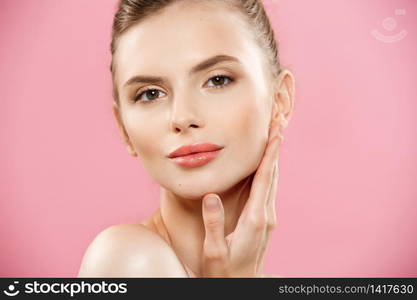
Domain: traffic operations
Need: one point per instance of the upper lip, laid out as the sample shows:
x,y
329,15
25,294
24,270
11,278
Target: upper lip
x,y
194,148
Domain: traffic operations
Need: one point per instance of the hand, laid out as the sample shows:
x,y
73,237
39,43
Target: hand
x,y
241,253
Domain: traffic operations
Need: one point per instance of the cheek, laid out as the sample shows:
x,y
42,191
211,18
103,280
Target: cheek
x,y
142,134
251,123
250,133
144,137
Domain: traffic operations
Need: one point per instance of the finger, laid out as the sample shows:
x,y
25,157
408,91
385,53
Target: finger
x,y
215,249
270,205
262,181
271,223
253,220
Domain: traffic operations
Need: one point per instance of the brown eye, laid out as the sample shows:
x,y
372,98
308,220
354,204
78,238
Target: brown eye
x,y
220,81
149,94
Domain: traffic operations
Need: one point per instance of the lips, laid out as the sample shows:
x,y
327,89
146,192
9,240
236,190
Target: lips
x,y
195,155
194,148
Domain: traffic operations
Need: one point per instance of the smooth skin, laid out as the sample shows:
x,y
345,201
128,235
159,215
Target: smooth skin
x,y
136,251
246,116
241,253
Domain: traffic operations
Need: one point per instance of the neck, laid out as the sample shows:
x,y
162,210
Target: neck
x,y
183,220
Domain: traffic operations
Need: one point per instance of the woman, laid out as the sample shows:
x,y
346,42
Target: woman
x,y
202,77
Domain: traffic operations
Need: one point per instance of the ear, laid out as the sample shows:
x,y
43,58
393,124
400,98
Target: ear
x,y
126,140
283,102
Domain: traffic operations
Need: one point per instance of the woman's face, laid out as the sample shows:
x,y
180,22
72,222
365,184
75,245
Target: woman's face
x,y
188,105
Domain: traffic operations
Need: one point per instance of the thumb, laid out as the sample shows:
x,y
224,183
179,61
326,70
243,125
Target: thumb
x,y
215,247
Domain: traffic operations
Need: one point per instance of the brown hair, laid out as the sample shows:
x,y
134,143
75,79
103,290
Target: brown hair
x,y
130,12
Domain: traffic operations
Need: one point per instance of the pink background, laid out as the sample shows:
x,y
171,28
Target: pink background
x,y
347,198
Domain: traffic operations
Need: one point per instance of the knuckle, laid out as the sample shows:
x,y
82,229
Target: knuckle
x,y
263,248
272,225
213,222
257,222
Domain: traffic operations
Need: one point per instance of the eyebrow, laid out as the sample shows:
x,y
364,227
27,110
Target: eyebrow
x,y
198,68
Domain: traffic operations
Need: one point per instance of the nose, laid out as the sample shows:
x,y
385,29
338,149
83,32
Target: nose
x,y
184,114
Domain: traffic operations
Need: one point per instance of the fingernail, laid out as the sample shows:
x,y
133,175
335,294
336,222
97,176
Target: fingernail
x,y
211,202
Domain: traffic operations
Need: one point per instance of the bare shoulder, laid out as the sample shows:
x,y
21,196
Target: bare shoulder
x,y
272,276
130,250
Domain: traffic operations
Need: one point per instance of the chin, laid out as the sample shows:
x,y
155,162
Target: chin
x,y
194,190
197,187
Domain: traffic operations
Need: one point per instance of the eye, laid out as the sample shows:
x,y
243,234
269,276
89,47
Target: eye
x,y
219,81
150,94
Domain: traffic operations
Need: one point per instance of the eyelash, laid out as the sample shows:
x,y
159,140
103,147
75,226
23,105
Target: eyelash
x,y
230,79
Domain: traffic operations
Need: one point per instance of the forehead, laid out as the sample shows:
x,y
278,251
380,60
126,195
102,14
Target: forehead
x,y
180,36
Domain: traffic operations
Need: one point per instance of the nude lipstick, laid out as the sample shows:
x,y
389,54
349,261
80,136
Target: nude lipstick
x,y
195,155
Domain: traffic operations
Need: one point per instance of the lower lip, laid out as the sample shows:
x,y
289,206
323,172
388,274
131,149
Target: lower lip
x,y
196,159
